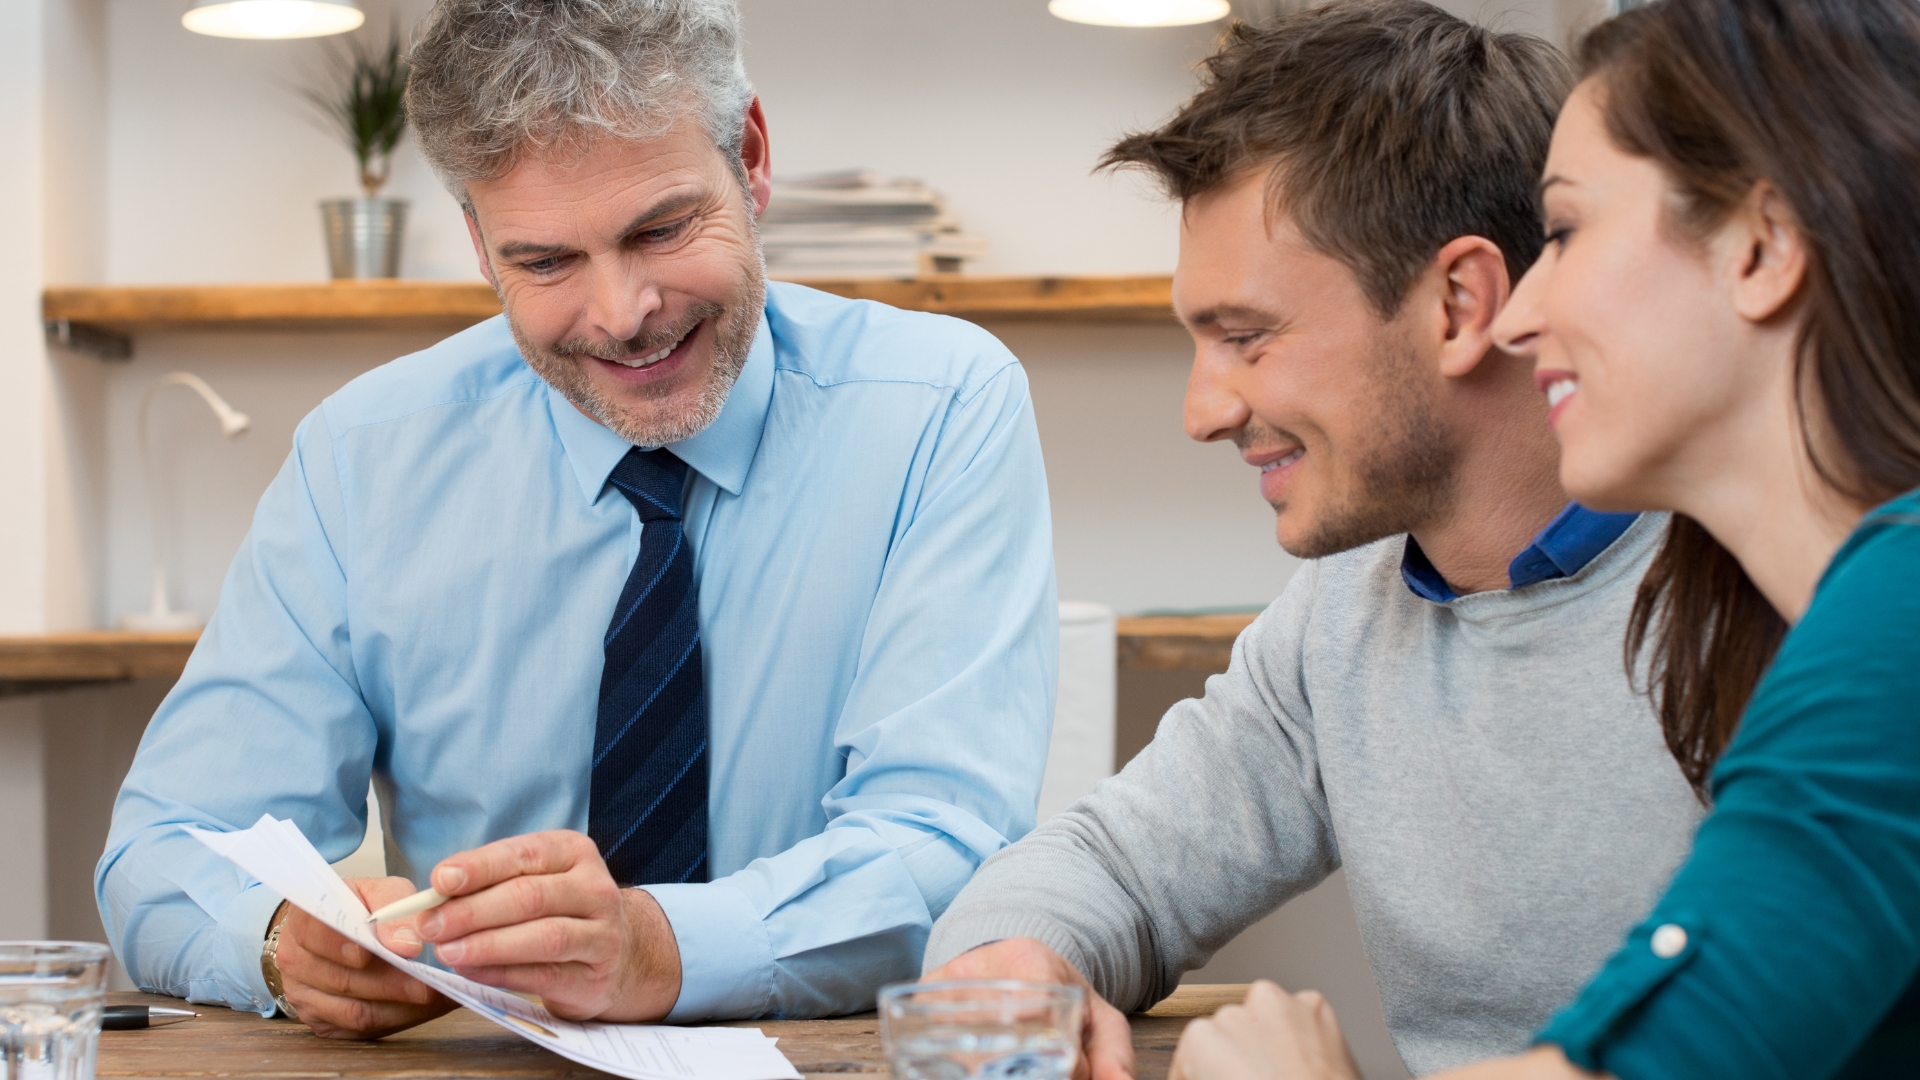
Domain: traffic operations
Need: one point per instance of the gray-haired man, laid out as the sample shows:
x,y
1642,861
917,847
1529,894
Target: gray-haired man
x,y
671,578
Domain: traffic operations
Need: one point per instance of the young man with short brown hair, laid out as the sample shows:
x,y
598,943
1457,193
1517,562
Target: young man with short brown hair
x,y
1437,702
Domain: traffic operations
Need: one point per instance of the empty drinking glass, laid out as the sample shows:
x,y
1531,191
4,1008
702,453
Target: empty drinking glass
x,y
51,994
981,1029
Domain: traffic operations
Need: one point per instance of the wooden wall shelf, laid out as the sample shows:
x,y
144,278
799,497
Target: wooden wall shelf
x,y
94,656
1155,643
455,304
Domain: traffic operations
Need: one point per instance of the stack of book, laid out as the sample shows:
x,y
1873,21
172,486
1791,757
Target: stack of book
x,y
854,224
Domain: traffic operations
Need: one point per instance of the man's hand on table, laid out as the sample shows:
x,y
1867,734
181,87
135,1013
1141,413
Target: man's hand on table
x,y
1107,1040
341,990
1274,1035
540,914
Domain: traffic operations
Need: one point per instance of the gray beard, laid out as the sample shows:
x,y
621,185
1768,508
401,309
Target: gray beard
x,y
733,331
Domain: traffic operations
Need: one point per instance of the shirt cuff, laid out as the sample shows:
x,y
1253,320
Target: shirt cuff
x,y
726,958
1654,952
244,928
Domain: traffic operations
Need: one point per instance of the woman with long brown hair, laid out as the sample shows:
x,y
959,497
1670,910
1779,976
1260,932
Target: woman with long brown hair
x,y
1727,325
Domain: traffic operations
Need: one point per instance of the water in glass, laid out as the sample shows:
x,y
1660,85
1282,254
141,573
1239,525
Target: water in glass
x,y
51,994
981,1030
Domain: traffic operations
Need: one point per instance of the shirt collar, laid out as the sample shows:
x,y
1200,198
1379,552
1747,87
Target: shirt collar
x,y
1570,541
723,452
1574,538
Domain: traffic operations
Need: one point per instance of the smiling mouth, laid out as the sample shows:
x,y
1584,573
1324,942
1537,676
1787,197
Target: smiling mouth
x,y
1283,462
653,358
1560,390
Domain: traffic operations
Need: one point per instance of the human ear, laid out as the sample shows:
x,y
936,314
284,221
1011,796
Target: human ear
x,y
1769,254
756,157
1474,281
479,246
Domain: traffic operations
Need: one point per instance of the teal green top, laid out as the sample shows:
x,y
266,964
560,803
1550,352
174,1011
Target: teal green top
x,y
1788,943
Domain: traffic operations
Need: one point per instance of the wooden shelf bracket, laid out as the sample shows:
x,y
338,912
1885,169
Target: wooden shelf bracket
x,y
91,340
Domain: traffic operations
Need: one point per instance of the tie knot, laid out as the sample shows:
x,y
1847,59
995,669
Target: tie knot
x,y
652,481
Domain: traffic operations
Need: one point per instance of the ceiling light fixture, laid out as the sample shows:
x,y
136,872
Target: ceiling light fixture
x,y
272,19
1139,12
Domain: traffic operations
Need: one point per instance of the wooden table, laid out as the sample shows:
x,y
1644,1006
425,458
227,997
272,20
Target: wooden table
x,y
461,1045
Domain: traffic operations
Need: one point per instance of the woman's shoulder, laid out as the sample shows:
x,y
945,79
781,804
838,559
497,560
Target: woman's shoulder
x,y
1885,545
1903,511
1854,654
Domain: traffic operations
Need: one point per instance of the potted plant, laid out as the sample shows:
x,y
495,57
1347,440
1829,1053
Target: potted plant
x,y
365,106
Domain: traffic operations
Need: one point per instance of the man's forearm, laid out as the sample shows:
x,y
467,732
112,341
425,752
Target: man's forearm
x,y
1053,888
1210,827
814,930
151,891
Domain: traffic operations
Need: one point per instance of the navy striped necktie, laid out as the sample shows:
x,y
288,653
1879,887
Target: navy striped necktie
x,y
647,810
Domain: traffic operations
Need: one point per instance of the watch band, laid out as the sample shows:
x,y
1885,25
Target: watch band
x,y
270,969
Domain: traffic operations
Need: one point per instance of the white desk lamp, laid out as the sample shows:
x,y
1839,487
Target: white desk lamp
x,y
233,424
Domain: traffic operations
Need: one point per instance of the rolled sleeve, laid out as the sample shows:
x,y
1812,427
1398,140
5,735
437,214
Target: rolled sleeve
x,y
1644,964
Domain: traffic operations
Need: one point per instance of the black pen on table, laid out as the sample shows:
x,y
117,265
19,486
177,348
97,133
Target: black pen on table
x,y
137,1017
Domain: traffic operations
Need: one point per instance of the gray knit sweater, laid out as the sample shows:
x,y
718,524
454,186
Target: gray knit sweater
x,y
1499,795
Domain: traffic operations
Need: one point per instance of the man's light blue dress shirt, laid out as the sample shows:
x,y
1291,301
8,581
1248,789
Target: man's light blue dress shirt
x,y
422,599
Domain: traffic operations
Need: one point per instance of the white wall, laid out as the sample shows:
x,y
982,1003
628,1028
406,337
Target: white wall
x,y
216,164
52,533
73,247
24,377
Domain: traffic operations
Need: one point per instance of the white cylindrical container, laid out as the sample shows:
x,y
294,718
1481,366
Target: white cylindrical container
x,y
1081,753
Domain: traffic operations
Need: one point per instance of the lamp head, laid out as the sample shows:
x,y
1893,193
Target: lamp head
x,y
233,423
272,19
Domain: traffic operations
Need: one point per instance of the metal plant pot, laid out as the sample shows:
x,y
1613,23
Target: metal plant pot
x,y
363,236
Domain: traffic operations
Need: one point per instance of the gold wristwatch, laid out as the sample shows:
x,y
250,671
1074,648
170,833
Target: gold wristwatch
x,y
270,965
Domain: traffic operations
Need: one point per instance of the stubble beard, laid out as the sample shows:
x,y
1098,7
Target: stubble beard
x,y
734,326
1403,481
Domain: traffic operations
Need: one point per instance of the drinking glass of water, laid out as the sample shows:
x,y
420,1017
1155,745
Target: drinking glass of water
x,y
51,994
982,1029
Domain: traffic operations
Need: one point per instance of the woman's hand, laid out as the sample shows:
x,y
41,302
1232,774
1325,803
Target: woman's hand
x,y
1274,1035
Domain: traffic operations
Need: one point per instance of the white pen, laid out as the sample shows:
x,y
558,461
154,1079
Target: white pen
x,y
412,905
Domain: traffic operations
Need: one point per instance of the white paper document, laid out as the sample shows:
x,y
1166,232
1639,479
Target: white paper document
x,y
278,854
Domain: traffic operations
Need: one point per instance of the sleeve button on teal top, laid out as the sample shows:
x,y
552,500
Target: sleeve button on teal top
x,y
1669,941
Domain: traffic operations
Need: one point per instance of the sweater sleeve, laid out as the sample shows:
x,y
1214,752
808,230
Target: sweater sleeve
x,y
1795,926
1218,821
